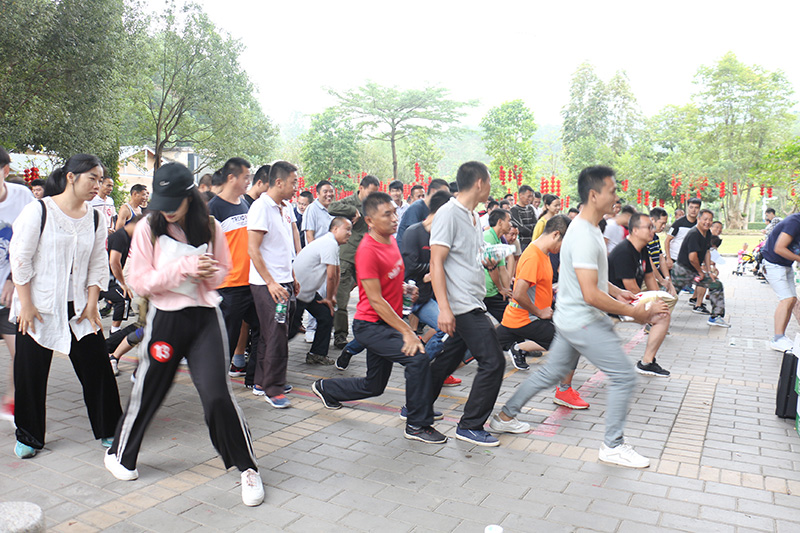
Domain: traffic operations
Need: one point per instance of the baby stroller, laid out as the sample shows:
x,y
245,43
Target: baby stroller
x,y
747,261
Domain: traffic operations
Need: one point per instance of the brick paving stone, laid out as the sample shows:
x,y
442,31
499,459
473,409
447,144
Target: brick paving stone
x,y
721,460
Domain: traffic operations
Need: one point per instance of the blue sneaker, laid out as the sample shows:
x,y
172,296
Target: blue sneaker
x,y
404,414
258,391
23,451
477,436
278,402
287,389
718,321
107,442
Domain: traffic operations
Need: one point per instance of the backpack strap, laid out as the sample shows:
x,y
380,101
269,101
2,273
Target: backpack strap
x,y
96,218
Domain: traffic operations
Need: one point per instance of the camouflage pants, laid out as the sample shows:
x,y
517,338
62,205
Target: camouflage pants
x,y
682,276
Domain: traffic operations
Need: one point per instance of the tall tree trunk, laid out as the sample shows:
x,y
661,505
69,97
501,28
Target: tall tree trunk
x,y
393,142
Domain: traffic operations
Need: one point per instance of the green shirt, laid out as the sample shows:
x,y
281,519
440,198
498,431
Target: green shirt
x,y
490,237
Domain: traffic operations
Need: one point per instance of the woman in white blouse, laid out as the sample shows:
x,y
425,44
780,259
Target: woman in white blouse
x,y
59,266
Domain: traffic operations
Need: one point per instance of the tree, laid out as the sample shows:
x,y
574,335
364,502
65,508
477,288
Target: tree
x,y
744,112
62,65
193,92
330,146
586,113
508,131
624,116
389,114
418,147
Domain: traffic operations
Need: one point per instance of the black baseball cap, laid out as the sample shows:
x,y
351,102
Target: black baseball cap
x,y
171,184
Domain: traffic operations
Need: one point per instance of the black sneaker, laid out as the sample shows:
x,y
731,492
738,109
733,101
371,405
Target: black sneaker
x,y
424,434
237,371
327,401
518,358
701,310
314,359
693,302
652,369
343,361
340,342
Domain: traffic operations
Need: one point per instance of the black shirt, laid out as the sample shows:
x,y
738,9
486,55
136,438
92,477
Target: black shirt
x,y
416,252
694,242
624,262
121,242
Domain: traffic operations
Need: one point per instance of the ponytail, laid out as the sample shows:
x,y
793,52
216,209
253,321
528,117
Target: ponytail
x,y
77,164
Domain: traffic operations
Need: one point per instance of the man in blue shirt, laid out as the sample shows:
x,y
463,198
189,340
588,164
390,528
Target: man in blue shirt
x,y
419,211
781,249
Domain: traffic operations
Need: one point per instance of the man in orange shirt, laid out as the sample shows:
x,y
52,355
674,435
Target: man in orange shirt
x,y
529,316
237,302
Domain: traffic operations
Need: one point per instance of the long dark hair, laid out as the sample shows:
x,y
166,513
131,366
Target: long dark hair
x,y
77,164
196,222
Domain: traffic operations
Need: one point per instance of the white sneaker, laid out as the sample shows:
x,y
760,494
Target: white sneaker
x,y
252,488
623,455
117,470
498,425
782,345
114,365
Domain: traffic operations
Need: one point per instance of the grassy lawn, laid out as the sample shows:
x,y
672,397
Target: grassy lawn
x,y
732,243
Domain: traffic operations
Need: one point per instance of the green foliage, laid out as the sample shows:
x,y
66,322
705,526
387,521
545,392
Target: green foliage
x,y
418,147
508,132
191,91
390,114
62,63
586,113
329,147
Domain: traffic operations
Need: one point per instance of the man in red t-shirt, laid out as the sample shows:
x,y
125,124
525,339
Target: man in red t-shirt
x,y
378,326
529,316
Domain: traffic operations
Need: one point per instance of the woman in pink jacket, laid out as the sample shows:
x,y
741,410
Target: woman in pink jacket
x,y
178,256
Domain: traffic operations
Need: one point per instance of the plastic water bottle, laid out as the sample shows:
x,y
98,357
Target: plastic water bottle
x,y
407,290
280,312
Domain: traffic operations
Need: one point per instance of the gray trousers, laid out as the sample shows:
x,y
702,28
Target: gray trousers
x,y
598,343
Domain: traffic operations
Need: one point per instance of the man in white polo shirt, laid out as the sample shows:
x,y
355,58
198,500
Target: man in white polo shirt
x,y
271,248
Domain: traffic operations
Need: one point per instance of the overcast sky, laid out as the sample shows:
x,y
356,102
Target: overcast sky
x,y
495,51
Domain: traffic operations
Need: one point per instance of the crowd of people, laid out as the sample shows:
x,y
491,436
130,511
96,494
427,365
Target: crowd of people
x,y
228,271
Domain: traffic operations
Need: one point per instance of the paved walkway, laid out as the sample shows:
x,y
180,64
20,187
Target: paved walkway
x,y
721,460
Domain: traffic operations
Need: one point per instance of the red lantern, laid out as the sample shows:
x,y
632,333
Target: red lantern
x,y
792,192
558,188
734,189
683,198
647,198
638,196
552,183
769,192
515,198
762,190
625,185
660,202
566,200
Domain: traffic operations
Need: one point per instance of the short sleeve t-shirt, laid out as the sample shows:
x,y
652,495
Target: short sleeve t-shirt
x,y
375,260
791,226
277,246
627,263
694,242
459,229
535,268
311,265
583,248
678,230
120,241
614,233
316,219
654,250
106,208
233,220
18,197
490,237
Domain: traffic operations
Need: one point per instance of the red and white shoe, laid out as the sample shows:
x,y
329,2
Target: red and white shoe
x,y
451,382
570,398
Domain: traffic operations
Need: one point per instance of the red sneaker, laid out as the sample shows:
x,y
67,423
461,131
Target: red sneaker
x,y
451,382
7,411
570,398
